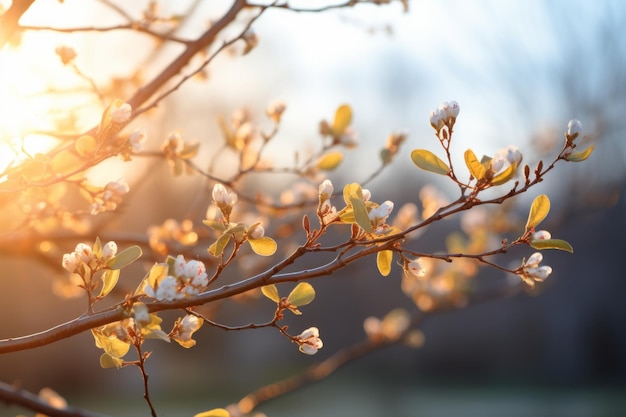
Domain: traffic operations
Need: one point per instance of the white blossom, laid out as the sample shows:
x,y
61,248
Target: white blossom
x,y
574,128
121,112
137,139
326,189
415,268
221,196
379,214
109,250
309,341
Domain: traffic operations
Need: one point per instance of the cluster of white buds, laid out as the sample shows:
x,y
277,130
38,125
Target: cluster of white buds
x,y
326,210
444,115
109,197
510,155
309,341
531,271
189,279
84,261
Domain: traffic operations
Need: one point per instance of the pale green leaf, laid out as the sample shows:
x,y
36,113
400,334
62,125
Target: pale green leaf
x,y
264,246
360,214
109,280
551,244
538,211
428,161
383,262
301,295
271,292
125,257
108,361
217,248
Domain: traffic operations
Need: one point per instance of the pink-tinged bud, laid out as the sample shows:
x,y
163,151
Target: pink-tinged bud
x,y
541,235
453,109
256,231
416,268
221,196
121,112
574,128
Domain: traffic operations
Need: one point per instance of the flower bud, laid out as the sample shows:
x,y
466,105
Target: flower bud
x,y
256,231
539,273
109,250
574,128
121,112
541,235
534,260
415,268
326,190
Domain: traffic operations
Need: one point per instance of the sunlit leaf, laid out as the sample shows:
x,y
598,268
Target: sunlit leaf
x,y
580,156
217,412
215,225
330,161
538,211
125,257
352,190
217,248
86,145
109,280
476,168
343,117
264,246
428,161
383,262
108,361
271,292
360,214
301,295
551,244
505,175
111,344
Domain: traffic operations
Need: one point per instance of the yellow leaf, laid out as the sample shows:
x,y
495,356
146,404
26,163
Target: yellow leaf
x,y
580,156
476,168
330,161
264,246
271,292
110,344
109,280
383,261
428,161
217,412
86,145
108,361
301,295
505,175
217,248
125,257
352,190
343,117
538,211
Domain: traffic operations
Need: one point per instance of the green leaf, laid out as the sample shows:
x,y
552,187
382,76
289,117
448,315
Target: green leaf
x,y
217,248
360,214
125,257
383,262
476,168
330,161
217,412
343,117
580,156
538,211
551,244
428,161
301,295
109,280
271,292
108,361
264,246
